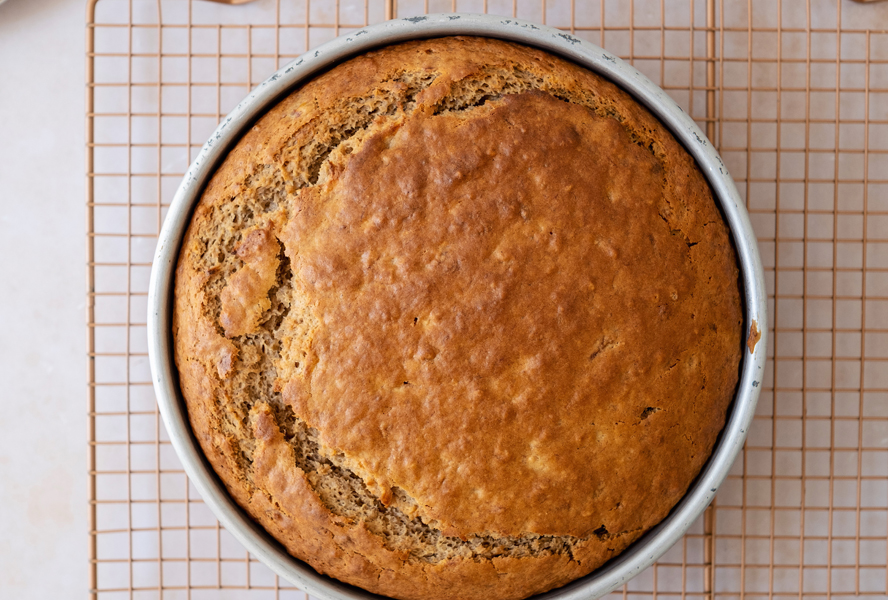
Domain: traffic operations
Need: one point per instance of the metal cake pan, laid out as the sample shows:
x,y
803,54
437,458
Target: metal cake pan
x,y
644,551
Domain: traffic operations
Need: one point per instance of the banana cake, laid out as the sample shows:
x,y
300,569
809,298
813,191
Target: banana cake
x,y
457,319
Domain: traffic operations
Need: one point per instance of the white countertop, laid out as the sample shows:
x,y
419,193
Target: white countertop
x,y
43,466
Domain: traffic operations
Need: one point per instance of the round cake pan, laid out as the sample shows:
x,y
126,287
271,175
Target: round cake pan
x,y
160,347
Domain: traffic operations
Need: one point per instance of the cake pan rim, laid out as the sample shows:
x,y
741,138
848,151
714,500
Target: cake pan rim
x,y
655,542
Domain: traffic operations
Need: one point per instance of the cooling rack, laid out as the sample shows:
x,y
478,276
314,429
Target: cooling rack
x,y
795,96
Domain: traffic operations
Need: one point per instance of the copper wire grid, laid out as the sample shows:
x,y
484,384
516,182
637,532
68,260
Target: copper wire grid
x,y
795,96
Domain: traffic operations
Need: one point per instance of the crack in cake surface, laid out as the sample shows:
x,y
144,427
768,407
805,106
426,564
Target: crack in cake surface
x,y
346,495
305,168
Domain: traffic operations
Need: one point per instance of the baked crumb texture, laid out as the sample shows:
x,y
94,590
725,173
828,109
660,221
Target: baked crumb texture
x,y
457,319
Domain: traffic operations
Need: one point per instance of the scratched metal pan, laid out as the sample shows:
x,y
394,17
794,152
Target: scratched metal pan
x,y
643,552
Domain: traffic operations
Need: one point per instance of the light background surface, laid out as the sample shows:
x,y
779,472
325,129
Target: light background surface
x,y
43,469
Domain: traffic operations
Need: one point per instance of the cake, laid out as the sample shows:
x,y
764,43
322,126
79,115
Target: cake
x,y
457,319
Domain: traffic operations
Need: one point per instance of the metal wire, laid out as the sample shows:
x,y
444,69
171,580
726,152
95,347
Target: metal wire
x,y
794,93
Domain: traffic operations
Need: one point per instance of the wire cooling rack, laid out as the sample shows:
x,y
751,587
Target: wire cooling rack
x,y
795,96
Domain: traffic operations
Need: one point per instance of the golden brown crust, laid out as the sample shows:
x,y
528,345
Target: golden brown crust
x,y
754,336
245,297
477,292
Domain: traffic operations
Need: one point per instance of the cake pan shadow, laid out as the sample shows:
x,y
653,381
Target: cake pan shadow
x,y
658,540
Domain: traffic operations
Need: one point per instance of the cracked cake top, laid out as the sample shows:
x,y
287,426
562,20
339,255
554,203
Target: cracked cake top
x,y
457,319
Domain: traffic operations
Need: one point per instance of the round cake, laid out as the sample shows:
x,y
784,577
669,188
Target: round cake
x,y
457,319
